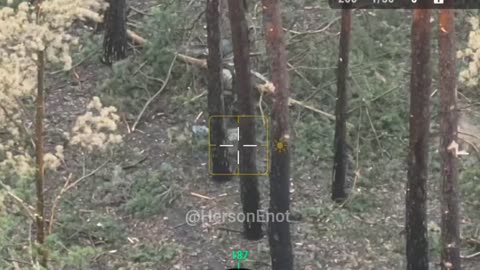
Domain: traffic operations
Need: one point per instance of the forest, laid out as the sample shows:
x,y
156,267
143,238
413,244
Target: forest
x,y
238,134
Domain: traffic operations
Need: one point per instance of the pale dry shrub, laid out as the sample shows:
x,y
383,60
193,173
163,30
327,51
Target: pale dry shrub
x,y
97,128
470,75
22,34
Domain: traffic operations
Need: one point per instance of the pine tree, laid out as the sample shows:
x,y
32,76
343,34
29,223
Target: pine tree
x,y
416,195
219,160
279,232
39,152
248,180
450,257
115,38
340,167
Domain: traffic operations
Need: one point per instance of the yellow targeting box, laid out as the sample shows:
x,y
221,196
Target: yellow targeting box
x,y
265,145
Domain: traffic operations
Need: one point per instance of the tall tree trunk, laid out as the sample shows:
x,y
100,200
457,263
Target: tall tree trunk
x,y
220,167
248,179
279,232
339,193
416,196
39,152
115,39
448,139
39,162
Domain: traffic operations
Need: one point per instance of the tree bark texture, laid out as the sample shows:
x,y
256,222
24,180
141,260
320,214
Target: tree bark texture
x,y
279,232
416,192
450,256
219,159
248,180
339,193
115,39
39,160
39,150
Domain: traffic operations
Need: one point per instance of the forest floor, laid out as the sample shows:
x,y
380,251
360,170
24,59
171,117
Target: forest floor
x,y
132,210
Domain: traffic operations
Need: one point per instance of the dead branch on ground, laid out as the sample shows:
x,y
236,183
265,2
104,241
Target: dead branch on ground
x,y
138,40
266,85
156,94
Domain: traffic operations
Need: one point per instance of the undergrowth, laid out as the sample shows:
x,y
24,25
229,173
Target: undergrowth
x,y
378,81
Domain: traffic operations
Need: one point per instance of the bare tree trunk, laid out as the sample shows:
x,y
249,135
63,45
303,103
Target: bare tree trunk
x,y
220,167
115,39
416,196
339,193
39,152
248,179
279,232
449,136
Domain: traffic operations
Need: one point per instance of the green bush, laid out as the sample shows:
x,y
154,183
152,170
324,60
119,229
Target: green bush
x,y
151,193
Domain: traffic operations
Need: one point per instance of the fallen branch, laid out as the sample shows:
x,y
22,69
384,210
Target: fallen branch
x,y
198,116
133,25
471,256
373,99
67,186
136,38
313,31
156,94
192,60
140,11
200,196
86,176
134,164
296,102
195,97
265,86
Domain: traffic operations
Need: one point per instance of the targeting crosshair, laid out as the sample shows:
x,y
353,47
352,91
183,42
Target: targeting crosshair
x,y
239,146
